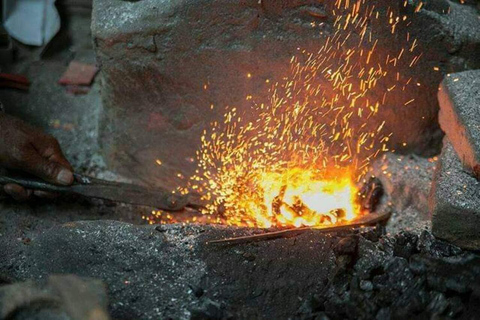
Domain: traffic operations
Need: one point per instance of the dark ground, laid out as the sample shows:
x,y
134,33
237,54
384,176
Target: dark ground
x,y
170,273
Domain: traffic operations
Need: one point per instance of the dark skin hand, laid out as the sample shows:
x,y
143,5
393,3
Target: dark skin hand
x,y
28,149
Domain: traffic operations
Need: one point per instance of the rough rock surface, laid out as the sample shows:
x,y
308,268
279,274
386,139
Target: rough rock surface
x,y
168,272
164,63
400,277
459,116
455,201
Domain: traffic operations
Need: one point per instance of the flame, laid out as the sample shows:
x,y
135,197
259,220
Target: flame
x,y
294,159
296,197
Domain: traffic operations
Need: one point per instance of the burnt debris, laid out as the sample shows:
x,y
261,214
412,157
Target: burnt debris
x,y
370,194
399,277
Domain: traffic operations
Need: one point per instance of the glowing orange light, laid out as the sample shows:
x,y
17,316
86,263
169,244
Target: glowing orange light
x,y
293,157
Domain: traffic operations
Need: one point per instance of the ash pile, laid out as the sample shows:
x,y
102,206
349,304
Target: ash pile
x,y
170,272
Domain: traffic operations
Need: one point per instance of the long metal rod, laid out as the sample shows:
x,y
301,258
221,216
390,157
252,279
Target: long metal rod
x,y
369,220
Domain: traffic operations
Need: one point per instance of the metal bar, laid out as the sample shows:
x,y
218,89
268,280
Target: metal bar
x,y
368,220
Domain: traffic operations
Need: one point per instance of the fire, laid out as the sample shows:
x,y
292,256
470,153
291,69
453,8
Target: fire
x,y
298,197
295,158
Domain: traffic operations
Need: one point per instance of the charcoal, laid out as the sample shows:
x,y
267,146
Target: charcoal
x,y
457,284
354,284
374,234
370,261
208,310
343,261
434,282
425,242
249,256
456,307
366,267
366,285
317,303
341,283
386,296
383,314
417,266
313,307
321,316
438,305
346,246
405,244
412,301
400,276
396,266
380,281
428,244
197,290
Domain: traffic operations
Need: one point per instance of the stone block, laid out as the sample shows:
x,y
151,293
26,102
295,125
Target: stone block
x,y
455,202
165,63
459,116
59,297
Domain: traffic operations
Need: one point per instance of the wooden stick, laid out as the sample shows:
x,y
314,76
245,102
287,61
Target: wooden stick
x,y
366,220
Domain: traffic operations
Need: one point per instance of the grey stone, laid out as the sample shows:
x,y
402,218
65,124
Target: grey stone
x,y
455,202
59,297
459,116
157,57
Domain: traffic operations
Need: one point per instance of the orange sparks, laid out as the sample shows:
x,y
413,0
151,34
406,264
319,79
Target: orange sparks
x,y
293,157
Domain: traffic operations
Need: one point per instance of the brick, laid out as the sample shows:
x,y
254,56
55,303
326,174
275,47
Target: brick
x,y
78,73
455,202
459,116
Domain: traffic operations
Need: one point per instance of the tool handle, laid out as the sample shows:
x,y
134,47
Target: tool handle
x,y
33,183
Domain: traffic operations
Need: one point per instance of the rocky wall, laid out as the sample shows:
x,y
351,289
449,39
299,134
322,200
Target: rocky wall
x,y
166,63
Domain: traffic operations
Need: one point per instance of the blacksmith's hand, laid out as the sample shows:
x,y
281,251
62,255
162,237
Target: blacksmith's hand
x,y
26,148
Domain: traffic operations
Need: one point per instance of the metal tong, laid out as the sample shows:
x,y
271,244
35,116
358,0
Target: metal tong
x,y
114,191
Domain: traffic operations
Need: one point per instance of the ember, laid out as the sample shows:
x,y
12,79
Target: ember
x,y
297,198
296,159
